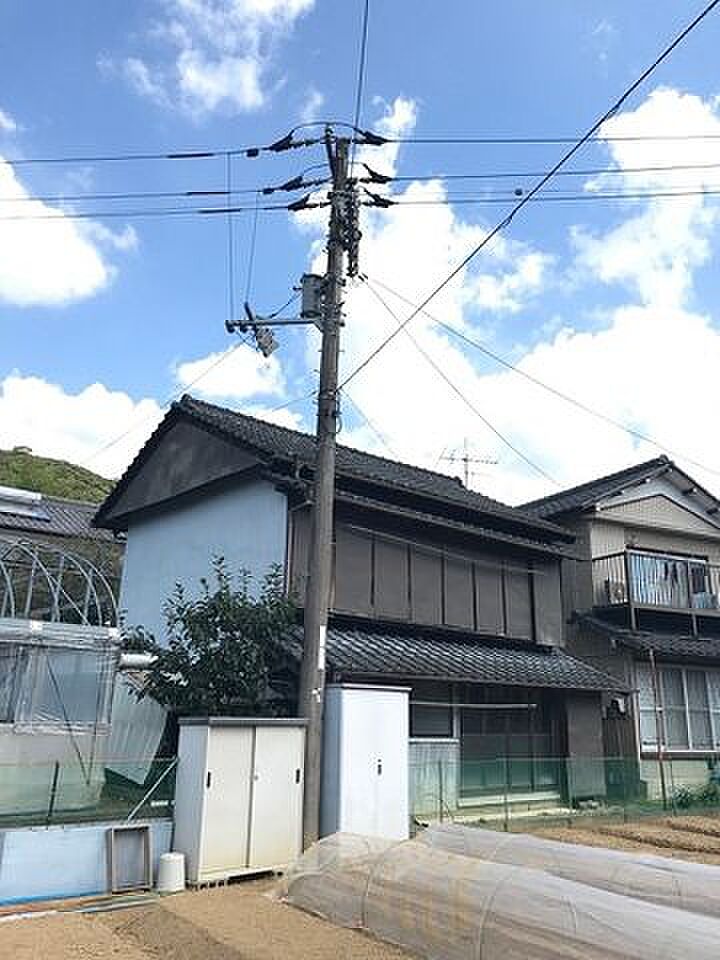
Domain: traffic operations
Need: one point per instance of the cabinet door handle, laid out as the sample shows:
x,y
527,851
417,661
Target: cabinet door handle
x,y
208,779
297,775
379,768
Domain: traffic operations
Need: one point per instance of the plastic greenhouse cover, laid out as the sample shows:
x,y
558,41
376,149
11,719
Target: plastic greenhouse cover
x,y
444,906
675,883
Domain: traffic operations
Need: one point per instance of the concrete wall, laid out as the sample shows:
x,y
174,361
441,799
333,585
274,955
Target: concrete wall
x,y
45,863
246,524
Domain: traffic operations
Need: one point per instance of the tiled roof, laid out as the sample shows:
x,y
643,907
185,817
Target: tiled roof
x,y
280,442
666,646
474,529
374,652
587,494
57,517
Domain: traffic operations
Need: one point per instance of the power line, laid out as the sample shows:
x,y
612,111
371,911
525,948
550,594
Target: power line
x,y
559,394
458,392
539,185
362,67
525,174
550,197
188,386
368,422
61,215
550,141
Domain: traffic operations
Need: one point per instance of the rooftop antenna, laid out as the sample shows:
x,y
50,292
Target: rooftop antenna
x,y
466,459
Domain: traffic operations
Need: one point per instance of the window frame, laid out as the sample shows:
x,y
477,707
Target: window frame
x,y
710,710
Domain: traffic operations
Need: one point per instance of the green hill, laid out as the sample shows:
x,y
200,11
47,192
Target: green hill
x,y
55,478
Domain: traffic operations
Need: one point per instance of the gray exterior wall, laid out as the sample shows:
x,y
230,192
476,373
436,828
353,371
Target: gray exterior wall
x,y
425,581
245,524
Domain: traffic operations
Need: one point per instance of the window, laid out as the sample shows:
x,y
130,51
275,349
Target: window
x,y
690,715
427,720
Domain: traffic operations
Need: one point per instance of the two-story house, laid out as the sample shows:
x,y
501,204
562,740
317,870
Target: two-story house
x,y
435,587
644,605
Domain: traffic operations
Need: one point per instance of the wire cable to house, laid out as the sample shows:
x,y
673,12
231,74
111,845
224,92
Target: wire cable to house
x,y
568,155
559,394
548,197
459,393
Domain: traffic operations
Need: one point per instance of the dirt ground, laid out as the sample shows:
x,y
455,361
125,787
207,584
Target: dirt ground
x,y
241,922
238,922
688,838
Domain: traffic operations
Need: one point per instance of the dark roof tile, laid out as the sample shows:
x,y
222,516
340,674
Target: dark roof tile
x,y
666,646
372,652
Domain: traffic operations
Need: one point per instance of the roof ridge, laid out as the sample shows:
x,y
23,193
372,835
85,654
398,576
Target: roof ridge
x,y
616,475
343,446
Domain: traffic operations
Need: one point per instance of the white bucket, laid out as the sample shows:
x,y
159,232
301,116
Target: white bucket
x,y
171,873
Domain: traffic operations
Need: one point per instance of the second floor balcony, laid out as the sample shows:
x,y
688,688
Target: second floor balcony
x,y
656,581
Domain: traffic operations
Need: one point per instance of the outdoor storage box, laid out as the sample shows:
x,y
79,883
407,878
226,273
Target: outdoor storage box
x,y
238,800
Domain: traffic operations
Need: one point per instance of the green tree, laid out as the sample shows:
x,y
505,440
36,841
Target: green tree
x,y
225,652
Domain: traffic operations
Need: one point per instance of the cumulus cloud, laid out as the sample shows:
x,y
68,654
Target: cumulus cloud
x,y
214,53
46,258
313,103
74,426
7,123
234,374
651,362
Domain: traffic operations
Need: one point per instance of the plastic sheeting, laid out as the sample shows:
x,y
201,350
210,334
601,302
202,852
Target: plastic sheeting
x,y
446,906
673,883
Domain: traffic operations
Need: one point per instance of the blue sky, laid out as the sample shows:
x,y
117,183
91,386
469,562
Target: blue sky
x,y
614,303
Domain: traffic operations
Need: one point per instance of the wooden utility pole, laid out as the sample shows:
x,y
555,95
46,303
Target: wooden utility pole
x,y
342,236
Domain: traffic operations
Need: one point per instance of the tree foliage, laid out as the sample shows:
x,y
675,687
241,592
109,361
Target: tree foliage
x,y
224,648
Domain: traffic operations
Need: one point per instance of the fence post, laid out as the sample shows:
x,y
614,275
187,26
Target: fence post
x,y
507,790
568,769
53,793
441,791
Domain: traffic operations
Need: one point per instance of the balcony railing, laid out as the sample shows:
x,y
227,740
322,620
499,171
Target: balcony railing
x,y
655,580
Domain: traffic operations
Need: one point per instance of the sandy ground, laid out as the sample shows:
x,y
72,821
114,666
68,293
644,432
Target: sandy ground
x,y
687,838
238,922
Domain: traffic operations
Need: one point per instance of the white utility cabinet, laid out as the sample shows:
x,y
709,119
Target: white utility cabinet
x,y
365,760
238,795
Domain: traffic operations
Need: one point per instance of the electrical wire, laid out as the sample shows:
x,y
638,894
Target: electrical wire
x,y
360,85
368,422
230,244
251,254
61,215
568,155
527,174
559,394
555,141
225,355
458,392
549,197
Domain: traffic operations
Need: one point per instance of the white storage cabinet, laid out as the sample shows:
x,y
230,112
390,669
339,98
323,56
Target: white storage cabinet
x,y
365,760
238,796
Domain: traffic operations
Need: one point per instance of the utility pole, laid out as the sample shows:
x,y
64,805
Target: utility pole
x,y
342,236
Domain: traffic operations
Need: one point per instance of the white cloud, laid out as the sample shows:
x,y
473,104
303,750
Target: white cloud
x,y
232,374
652,363
313,103
74,426
221,53
46,258
7,123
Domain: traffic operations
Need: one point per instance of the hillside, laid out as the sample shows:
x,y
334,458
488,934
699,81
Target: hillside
x,y
56,478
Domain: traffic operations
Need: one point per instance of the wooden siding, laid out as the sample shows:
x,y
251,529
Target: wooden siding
x,y
389,578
